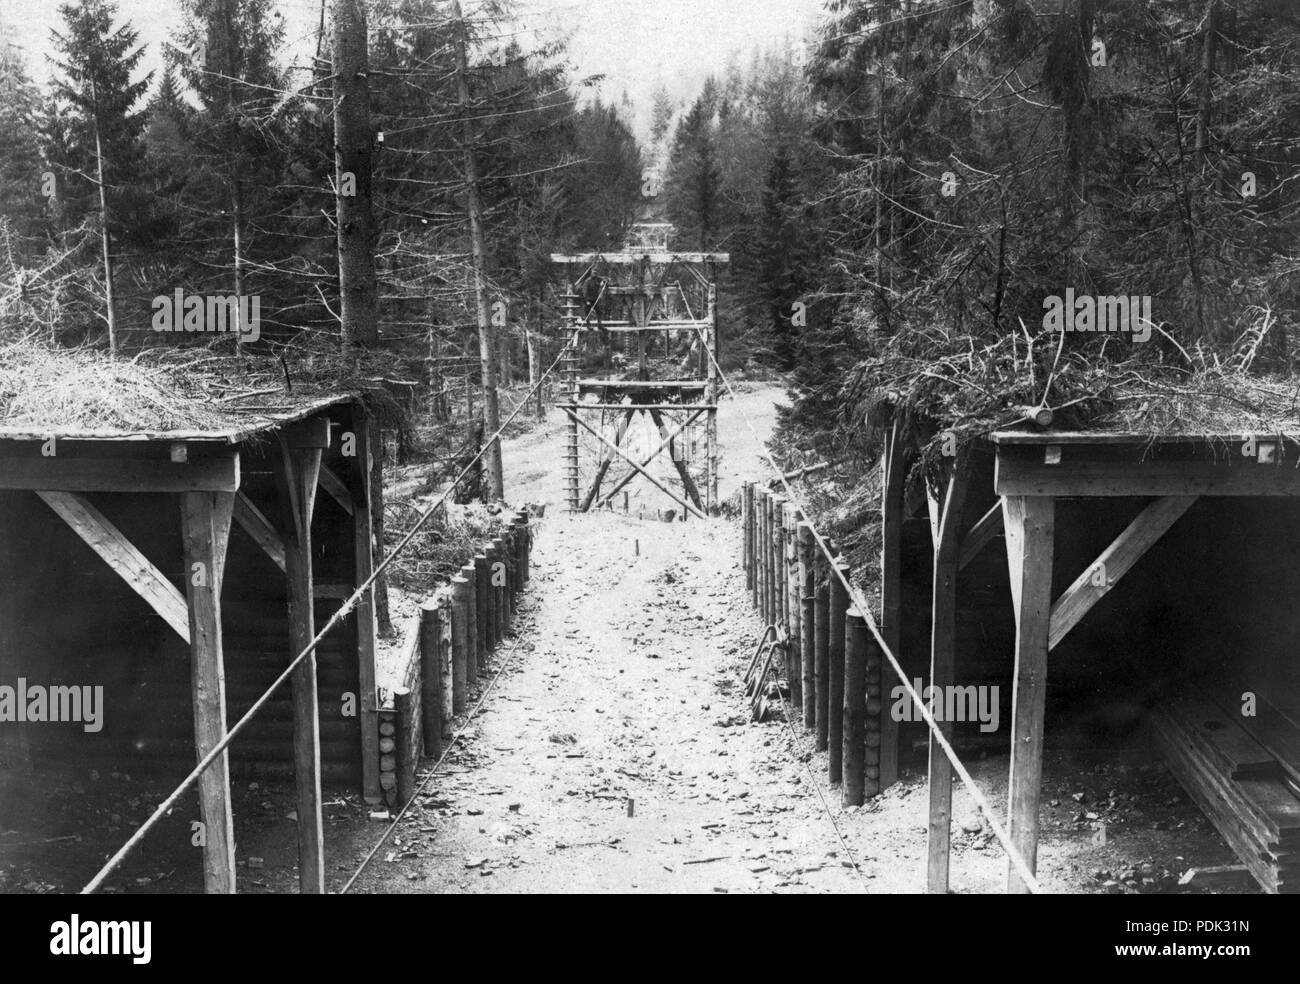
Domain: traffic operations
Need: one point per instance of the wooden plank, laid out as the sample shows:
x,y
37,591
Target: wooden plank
x,y
981,535
1240,755
337,489
943,669
1115,561
1016,476
1271,728
121,555
1111,438
894,464
1030,527
1227,806
313,432
296,480
204,525
252,521
64,474
636,258
363,565
637,406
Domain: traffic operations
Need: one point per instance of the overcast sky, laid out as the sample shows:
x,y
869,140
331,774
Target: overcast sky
x,y
636,44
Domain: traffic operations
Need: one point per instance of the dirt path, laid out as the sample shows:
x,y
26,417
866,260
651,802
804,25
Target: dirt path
x,y
615,754
623,698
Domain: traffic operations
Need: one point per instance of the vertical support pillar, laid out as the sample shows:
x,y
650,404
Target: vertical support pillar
x,y
297,479
1030,526
363,551
569,381
205,528
943,671
857,640
711,394
891,591
839,604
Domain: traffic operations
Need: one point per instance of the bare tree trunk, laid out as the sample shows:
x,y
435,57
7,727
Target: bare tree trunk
x,y
353,139
106,238
486,332
1209,46
535,370
237,230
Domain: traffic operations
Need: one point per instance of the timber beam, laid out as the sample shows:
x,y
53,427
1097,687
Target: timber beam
x,y
144,578
1115,561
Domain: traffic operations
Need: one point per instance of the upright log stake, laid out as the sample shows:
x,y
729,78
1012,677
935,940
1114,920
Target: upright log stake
x,y
434,683
839,603
816,712
801,681
856,643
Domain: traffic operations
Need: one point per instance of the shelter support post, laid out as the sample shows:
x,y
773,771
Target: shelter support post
x,y
205,529
943,666
297,480
1030,525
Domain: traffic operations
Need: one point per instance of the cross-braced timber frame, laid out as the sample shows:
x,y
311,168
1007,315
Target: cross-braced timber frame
x,y
646,285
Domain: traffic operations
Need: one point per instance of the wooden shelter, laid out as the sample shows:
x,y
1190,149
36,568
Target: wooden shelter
x,y
1197,532
118,565
650,292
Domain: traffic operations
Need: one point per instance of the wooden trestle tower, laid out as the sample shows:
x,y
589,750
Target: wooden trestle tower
x,y
645,292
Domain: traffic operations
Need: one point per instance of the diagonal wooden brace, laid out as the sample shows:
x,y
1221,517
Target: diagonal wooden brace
x,y
631,461
667,443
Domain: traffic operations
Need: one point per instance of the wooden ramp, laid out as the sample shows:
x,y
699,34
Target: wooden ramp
x,y
1246,790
